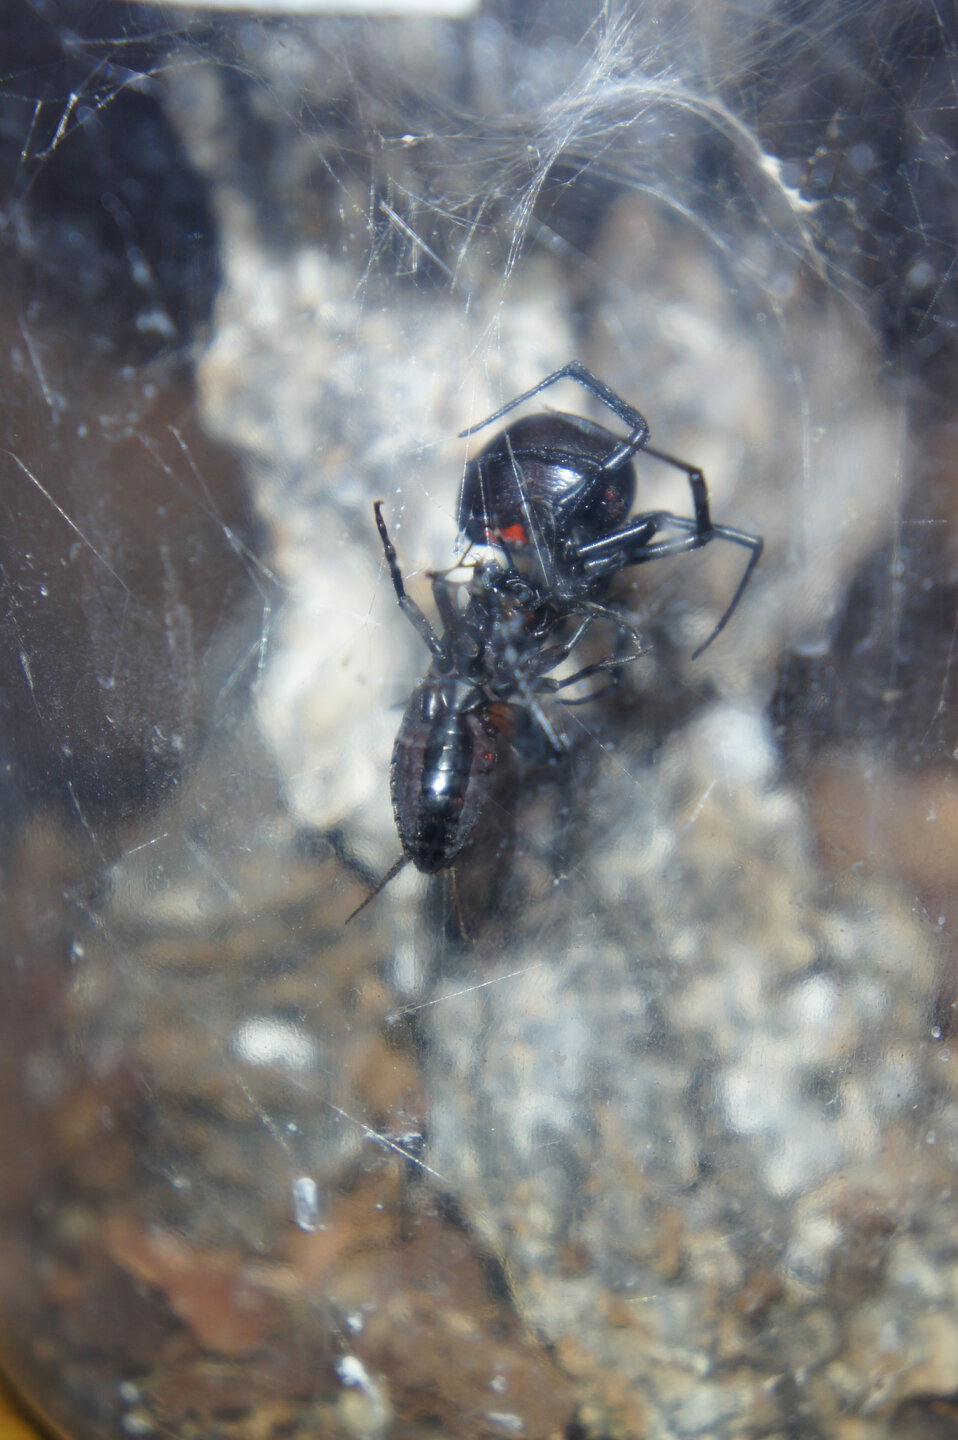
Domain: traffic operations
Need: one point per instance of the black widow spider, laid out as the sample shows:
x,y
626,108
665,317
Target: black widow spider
x,y
558,486
562,487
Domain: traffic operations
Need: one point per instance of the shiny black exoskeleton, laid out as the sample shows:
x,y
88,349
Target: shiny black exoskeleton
x,y
557,490
446,748
491,656
554,493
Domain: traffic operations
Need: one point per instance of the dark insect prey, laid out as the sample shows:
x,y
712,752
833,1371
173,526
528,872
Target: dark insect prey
x,y
552,492
492,652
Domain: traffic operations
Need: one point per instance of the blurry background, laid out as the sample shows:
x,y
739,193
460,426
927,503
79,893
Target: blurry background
x,y
647,1126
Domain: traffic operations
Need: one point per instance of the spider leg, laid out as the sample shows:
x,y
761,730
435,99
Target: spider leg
x,y
527,684
548,659
616,617
700,493
575,370
554,655
408,606
755,544
598,694
634,544
609,666
631,547
607,554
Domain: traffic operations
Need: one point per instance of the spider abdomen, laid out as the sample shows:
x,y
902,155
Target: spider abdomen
x,y
545,473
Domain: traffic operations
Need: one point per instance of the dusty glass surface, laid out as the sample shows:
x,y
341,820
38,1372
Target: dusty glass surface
x,y
639,1120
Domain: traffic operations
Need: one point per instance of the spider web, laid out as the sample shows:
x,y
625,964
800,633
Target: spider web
x,y
660,1076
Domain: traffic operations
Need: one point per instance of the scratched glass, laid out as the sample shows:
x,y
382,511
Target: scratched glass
x,y
638,1119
